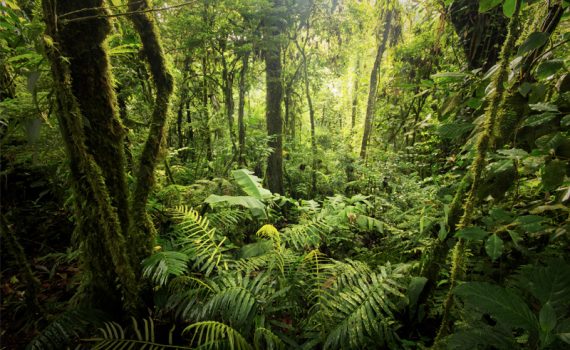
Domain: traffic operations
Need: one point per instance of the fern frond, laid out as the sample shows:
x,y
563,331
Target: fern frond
x,y
212,334
225,219
200,242
360,308
236,298
160,266
67,328
114,336
265,339
306,236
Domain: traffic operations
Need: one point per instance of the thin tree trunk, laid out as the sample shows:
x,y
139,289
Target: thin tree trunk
x,y
241,108
370,106
354,113
311,119
274,96
227,87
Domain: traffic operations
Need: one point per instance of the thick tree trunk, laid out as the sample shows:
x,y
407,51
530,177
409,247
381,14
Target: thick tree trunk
x,y
241,108
370,106
143,231
274,96
84,92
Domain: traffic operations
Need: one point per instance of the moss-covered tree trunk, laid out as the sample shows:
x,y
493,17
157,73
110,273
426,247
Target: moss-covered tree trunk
x,y
371,104
94,139
143,231
274,96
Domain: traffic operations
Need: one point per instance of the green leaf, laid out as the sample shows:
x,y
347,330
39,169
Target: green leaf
x,y
494,247
250,184
525,88
565,121
513,153
543,107
442,235
472,233
534,41
548,68
539,119
509,8
547,318
486,5
502,304
454,130
553,175
415,288
244,201
450,75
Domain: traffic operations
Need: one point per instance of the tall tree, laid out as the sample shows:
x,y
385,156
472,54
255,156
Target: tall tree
x,y
273,26
371,104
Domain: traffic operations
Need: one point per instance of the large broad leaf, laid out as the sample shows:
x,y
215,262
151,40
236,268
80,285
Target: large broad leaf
x,y
454,130
534,41
251,184
548,284
472,233
486,5
502,304
548,68
509,8
553,175
244,201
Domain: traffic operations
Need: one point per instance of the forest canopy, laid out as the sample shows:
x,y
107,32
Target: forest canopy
x,y
285,174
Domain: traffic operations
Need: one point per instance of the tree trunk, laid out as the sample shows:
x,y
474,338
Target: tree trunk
x,y
354,113
241,108
227,87
274,95
311,119
370,106
84,92
142,236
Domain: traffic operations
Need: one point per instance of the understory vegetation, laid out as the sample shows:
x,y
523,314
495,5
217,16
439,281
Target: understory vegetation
x,y
285,174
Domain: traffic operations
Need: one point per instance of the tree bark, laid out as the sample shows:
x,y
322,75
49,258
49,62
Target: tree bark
x,y
274,96
94,140
370,106
241,108
142,237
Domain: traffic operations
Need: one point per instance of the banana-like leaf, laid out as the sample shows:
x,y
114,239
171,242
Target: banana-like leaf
x,y
251,184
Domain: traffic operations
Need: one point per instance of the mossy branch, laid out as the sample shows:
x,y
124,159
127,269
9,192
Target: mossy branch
x,y
492,118
152,49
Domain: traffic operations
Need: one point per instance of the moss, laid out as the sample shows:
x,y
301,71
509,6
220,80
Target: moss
x,y
93,139
492,113
143,231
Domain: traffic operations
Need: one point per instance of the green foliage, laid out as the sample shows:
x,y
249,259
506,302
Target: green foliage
x,y
67,329
114,336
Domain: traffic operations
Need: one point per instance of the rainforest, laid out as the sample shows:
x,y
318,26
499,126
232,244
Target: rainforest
x,y
285,174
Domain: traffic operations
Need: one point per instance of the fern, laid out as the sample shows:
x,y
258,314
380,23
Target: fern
x,y
265,339
160,266
306,236
361,308
114,336
67,328
212,335
200,242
